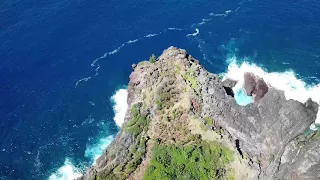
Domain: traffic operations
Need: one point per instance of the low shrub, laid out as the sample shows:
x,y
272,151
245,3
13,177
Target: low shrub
x,y
203,161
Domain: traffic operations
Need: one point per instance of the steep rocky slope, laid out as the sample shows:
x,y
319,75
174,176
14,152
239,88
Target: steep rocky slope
x,y
183,123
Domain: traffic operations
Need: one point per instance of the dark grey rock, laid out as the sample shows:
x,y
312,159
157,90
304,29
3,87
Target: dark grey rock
x,y
229,83
268,132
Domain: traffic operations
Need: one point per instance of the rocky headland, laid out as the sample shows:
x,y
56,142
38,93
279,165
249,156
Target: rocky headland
x,y
184,123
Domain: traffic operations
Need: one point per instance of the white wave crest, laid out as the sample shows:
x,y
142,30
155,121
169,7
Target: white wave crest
x,y
195,33
226,13
175,29
93,152
132,41
218,15
120,105
150,35
293,87
67,172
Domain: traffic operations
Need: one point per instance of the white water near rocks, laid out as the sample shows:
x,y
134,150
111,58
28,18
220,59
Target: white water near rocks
x,y
66,172
293,87
120,106
69,171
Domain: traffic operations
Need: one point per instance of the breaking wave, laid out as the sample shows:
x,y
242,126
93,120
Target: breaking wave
x,y
66,172
120,106
93,152
70,171
293,87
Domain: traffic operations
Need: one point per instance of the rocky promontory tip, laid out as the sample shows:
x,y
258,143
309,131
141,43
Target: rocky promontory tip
x,y
184,123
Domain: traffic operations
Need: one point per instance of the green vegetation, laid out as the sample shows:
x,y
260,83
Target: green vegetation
x,y
203,127
159,103
135,155
198,161
191,77
178,68
165,96
208,121
138,122
122,171
231,175
153,58
137,125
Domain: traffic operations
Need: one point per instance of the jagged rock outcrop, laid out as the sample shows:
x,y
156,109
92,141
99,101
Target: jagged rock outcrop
x,y
228,84
254,86
175,103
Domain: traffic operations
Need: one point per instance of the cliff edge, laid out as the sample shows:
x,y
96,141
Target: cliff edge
x,y
184,123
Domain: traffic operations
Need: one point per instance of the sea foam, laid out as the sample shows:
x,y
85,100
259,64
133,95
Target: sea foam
x,y
93,152
120,105
293,87
195,33
67,172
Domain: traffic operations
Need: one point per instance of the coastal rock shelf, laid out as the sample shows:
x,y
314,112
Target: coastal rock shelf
x,y
184,123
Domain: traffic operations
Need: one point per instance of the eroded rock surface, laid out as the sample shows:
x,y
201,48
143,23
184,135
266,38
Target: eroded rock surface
x,y
270,139
255,86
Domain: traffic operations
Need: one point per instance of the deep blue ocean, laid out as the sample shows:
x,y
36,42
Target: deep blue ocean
x,y
61,61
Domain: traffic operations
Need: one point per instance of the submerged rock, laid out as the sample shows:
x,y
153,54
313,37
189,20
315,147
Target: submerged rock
x,y
175,106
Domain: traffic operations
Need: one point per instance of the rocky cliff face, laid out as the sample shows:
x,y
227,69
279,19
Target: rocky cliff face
x,y
183,123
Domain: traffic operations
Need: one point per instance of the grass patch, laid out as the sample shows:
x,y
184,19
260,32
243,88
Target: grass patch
x,y
190,76
178,68
198,161
208,121
122,171
135,155
165,98
138,122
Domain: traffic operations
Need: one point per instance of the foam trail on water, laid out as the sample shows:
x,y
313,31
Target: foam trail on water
x,y
204,21
222,14
151,35
82,80
67,172
293,87
175,29
195,33
93,152
120,105
132,41
95,63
